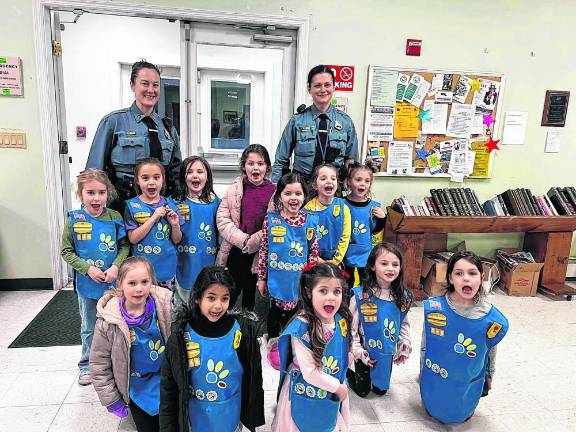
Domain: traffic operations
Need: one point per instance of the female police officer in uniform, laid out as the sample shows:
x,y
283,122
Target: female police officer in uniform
x,y
126,136
320,133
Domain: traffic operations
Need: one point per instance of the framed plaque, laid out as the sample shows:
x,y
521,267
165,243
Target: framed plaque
x,y
555,108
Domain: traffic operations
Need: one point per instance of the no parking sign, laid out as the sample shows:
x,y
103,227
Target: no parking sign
x,y
344,77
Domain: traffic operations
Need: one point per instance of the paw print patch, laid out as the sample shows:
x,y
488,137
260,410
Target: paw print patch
x,y
296,249
389,329
162,231
359,228
216,373
106,243
330,365
322,232
155,349
205,232
465,345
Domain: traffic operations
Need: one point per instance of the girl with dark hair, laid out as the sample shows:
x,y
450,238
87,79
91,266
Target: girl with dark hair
x,y
198,205
288,243
367,218
332,213
318,134
380,326
212,377
461,331
314,353
125,137
240,217
153,222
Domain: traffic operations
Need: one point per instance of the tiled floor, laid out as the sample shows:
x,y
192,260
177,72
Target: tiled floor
x,y
533,389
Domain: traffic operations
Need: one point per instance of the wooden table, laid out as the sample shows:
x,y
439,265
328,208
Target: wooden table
x,y
548,238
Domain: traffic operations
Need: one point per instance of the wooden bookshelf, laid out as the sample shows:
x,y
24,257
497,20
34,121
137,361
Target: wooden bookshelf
x,y
548,238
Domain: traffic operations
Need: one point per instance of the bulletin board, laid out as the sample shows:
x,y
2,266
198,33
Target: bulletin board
x,y
432,123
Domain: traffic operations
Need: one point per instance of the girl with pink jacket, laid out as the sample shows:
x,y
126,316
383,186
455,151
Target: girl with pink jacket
x,y
240,218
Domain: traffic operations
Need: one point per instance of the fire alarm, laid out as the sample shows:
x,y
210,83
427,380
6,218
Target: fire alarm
x,y
413,47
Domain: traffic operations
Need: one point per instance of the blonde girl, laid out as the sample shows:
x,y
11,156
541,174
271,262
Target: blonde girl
x,y
128,349
94,244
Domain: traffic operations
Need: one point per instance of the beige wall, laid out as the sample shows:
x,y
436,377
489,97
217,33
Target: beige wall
x,y
455,35
23,224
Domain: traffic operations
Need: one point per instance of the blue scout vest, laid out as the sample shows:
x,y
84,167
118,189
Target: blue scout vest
x,y
288,248
156,247
146,355
363,223
216,377
199,240
454,367
330,228
314,409
95,241
381,321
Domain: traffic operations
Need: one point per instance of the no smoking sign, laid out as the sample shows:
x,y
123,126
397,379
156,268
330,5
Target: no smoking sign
x,y
344,77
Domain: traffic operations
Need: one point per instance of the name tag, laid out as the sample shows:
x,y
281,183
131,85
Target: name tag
x,y
131,133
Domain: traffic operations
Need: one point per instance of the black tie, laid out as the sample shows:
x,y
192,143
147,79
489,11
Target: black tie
x,y
155,147
321,140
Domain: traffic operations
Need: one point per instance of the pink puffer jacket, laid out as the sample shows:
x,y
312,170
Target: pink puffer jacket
x,y
228,222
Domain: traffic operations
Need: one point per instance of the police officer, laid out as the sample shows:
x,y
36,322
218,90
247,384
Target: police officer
x,y
126,136
319,133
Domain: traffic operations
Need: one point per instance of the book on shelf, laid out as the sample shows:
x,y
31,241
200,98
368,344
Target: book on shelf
x,y
558,201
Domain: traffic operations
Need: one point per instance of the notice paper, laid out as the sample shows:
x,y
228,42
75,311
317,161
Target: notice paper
x,y
437,81
515,127
381,123
481,160
553,140
401,86
444,96
406,121
439,116
383,88
417,89
462,89
460,121
485,99
459,166
400,157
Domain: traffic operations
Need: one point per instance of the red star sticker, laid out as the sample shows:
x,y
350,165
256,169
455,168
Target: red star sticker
x,y
492,145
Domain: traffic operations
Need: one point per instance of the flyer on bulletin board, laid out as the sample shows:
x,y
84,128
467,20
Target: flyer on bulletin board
x,y
406,121
482,161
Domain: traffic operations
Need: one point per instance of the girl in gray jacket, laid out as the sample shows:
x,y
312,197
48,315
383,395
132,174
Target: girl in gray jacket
x,y
128,346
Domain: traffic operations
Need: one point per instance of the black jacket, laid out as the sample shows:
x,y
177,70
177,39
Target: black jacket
x,y
175,382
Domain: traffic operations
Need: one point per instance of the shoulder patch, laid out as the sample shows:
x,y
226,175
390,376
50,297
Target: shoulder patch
x,y
237,339
494,330
343,327
309,234
336,210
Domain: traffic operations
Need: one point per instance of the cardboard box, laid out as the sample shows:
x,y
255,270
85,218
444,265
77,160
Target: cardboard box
x,y
434,271
522,279
434,275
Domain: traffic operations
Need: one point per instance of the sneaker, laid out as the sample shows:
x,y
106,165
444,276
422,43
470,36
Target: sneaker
x,y
85,379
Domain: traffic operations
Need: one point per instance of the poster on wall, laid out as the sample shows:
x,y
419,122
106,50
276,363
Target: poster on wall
x,y
11,76
344,77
